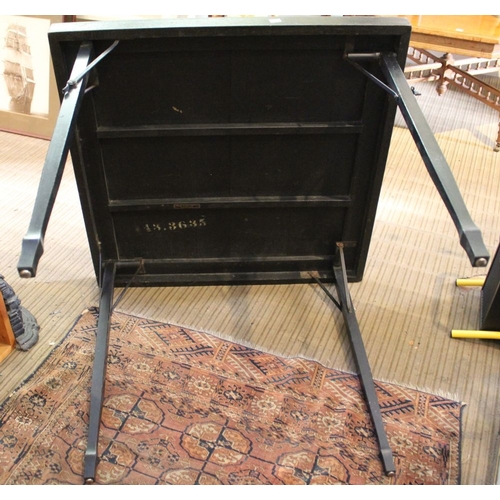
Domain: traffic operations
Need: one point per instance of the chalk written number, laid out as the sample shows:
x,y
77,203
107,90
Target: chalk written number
x,y
176,226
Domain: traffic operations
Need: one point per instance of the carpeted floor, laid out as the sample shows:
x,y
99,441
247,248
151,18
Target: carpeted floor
x,y
184,407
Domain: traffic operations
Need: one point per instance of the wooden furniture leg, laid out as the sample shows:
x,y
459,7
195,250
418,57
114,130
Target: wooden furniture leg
x,y
446,61
461,74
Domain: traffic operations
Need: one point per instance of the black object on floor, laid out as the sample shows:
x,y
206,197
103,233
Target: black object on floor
x,y
23,323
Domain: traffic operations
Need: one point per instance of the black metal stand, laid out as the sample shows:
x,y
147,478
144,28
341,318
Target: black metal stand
x,y
490,296
489,327
99,372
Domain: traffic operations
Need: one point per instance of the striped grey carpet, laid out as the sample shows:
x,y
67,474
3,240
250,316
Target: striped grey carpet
x,y
407,302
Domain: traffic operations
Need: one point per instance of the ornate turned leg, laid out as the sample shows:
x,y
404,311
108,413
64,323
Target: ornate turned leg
x,y
446,60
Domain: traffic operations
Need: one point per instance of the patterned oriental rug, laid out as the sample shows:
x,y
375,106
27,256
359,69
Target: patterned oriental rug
x,y
185,407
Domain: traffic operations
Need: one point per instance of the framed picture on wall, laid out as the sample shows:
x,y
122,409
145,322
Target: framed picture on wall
x,y
29,101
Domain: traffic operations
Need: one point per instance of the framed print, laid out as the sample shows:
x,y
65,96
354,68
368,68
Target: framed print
x,y
29,101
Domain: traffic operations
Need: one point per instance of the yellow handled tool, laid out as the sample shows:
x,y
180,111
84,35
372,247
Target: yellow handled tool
x,y
475,334
471,281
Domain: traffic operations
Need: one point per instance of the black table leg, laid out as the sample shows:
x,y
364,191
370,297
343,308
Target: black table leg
x,y
99,372
32,247
363,365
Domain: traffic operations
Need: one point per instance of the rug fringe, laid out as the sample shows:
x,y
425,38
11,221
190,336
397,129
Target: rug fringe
x,y
249,345
436,392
